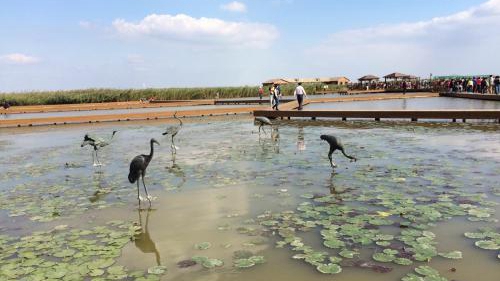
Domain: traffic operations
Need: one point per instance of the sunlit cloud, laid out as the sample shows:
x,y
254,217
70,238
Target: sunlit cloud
x,y
234,6
17,58
200,31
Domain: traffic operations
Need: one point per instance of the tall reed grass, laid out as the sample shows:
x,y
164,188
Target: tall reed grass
x,y
115,95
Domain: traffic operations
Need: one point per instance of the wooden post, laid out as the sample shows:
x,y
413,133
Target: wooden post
x,y
414,119
377,119
344,119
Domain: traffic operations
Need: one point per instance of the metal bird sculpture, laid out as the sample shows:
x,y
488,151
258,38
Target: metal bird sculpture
x,y
262,122
335,144
173,131
97,143
138,168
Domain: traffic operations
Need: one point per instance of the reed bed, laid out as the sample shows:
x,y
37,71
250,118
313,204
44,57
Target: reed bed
x,y
117,95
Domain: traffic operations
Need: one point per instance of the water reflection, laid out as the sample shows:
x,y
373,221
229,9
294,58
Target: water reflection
x,y
100,188
143,240
272,143
177,171
301,144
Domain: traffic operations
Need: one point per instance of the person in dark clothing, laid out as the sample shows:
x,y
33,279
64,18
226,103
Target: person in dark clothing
x,y
497,85
484,87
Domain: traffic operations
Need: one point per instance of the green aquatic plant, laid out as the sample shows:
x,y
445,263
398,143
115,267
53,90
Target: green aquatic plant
x,y
68,253
330,268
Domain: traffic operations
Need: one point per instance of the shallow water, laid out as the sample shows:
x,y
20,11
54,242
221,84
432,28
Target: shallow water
x,y
408,104
225,176
114,111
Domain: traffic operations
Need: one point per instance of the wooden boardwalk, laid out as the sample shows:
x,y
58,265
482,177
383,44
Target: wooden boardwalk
x,y
413,115
62,120
100,106
471,96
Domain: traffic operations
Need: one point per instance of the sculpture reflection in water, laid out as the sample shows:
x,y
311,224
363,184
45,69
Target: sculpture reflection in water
x,y
177,171
272,143
143,240
100,188
301,144
334,188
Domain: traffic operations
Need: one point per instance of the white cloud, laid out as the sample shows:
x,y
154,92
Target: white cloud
x,y
464,42
234,6
202,31
17,58
87,24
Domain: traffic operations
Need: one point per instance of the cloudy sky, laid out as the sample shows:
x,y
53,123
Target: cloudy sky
x,y
73,44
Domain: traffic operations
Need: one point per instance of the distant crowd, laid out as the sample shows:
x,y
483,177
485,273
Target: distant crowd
x,y
477,85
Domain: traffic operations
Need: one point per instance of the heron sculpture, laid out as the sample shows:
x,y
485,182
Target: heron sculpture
x,y
335,144
138,168
262,122
97,143
173,131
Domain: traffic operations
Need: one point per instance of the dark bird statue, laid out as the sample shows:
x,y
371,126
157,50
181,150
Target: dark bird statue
x,y
173,131
97,143
138,168
335,144
262,122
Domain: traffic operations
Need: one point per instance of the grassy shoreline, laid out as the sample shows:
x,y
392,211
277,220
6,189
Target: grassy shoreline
x,y
116,95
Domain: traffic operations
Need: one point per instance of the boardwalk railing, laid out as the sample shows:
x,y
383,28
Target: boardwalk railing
x,y
414,115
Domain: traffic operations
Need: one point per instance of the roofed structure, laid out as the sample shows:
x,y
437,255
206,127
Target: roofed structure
x,y
368,78
397,75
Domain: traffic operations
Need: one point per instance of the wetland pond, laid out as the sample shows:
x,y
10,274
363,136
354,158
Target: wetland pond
x,y
421,203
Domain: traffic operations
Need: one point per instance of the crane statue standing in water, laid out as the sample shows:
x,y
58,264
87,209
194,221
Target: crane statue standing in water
x,y
138,169
262,122
97,143
334,145
172,131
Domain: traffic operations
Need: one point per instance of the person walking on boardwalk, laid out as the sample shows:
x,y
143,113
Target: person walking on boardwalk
x,y
491,82
276,98
300,93
261,92
271,94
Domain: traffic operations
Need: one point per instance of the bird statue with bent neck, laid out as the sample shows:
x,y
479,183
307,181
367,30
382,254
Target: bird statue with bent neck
x,y
173,131
97,143
335,144
138,168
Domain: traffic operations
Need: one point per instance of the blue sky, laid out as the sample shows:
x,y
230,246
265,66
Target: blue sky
x,y
66,44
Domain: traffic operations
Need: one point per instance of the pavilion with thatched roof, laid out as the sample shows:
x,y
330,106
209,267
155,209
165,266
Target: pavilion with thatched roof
x,y
397,76
368,78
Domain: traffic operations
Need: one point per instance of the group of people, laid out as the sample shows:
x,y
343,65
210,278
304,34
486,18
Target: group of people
x,y
478,85
275,95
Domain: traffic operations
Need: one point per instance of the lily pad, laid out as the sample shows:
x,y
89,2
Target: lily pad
x,y
330,268
203,246
487,245
452,255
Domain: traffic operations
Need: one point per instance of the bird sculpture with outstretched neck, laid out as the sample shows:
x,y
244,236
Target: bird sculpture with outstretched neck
x,y
173,131
262,122
138,168
97,143
335,144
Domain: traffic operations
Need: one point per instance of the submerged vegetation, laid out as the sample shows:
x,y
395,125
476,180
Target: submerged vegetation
x,y
117,95
384,215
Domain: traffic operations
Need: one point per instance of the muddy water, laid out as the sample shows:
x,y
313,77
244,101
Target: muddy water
x,y
224,176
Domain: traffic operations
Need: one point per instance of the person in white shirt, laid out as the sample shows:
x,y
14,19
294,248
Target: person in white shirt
x,y
300,93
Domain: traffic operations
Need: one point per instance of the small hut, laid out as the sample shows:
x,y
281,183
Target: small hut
x,y
397,76
271,82
368,79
